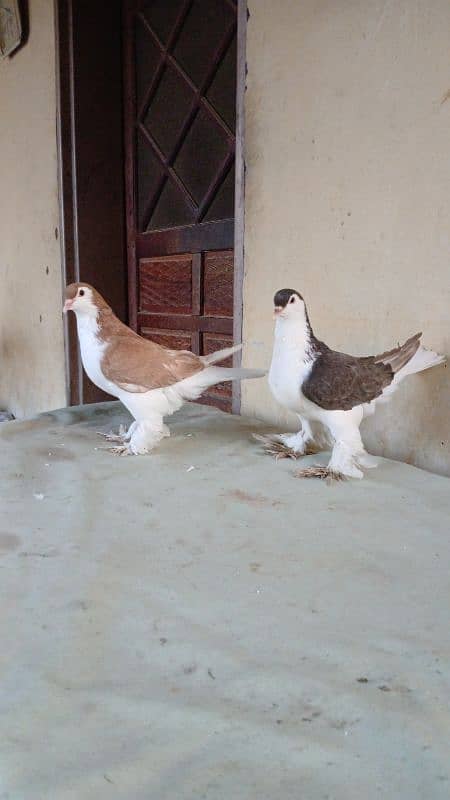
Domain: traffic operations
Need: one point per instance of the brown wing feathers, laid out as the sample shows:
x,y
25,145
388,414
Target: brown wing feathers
x,y
138,365
339,381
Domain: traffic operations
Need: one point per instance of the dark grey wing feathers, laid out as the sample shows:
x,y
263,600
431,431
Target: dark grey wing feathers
x,y
339,381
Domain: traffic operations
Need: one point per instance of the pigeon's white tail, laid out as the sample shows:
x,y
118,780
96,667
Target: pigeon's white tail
x,y
220,355
421,360
191,388
218,374
211,375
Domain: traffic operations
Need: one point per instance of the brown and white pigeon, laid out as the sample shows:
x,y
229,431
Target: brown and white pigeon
x,y
332,392
150,380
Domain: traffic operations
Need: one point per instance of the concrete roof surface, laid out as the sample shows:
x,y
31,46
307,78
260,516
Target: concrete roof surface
x,y
226,632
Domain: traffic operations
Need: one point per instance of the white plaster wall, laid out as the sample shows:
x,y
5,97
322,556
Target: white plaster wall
x,y
32,376
348,194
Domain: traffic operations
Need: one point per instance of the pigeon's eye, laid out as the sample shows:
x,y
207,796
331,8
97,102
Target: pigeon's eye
x,y
292,300
81,293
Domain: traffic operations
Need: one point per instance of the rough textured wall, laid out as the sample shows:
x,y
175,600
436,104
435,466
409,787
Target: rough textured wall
x,y
32,376
348,194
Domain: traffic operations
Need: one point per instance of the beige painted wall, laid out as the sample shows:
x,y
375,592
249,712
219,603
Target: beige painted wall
x,y
348,194
32,376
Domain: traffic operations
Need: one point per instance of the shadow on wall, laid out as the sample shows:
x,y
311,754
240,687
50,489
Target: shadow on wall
x,y
13,350
412,427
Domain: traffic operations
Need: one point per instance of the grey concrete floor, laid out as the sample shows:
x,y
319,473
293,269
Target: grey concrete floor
x,y
223,632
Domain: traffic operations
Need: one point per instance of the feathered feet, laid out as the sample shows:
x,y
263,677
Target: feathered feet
x,y
284,445
139,440
121,437
121,450
274,446
345,463
121,440
324,473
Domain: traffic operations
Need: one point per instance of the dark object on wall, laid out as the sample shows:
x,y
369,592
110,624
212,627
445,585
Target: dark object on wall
x,y
13,26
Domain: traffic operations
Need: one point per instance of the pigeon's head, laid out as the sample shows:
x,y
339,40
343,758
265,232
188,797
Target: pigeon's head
x,y
288,304
81,298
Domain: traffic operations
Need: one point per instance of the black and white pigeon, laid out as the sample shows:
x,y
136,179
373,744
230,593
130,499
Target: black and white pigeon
x,y
332,392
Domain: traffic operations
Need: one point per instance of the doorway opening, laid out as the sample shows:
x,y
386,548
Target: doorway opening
x,y
151,132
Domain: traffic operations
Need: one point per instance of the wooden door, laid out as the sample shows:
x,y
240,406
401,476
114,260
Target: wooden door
x,y
180,100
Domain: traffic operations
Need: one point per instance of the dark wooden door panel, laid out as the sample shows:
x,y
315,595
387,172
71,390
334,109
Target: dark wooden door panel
x,y
168,338
165,284
180,97
186,302
220,394
218,284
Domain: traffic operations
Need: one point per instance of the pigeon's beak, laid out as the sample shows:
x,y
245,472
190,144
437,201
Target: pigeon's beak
x,y
277,311
67,306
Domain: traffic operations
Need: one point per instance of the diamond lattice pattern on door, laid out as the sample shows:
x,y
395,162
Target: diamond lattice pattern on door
x,y
185,112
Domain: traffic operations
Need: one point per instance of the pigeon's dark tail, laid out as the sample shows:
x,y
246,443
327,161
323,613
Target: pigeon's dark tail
x,y
410,357
399,356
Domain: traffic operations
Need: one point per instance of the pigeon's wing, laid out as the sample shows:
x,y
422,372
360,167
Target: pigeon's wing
x,y
137,365
340,381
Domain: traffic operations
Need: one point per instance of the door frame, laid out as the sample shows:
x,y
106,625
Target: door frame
x,y
70,158
239,196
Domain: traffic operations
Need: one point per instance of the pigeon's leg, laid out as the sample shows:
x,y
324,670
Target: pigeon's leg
x,y
348,454
342,465
129,432
146,434
121,437
290,445
300,443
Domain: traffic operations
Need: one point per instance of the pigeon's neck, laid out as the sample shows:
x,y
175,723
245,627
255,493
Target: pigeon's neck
x,y
295,333
88,323
109,325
